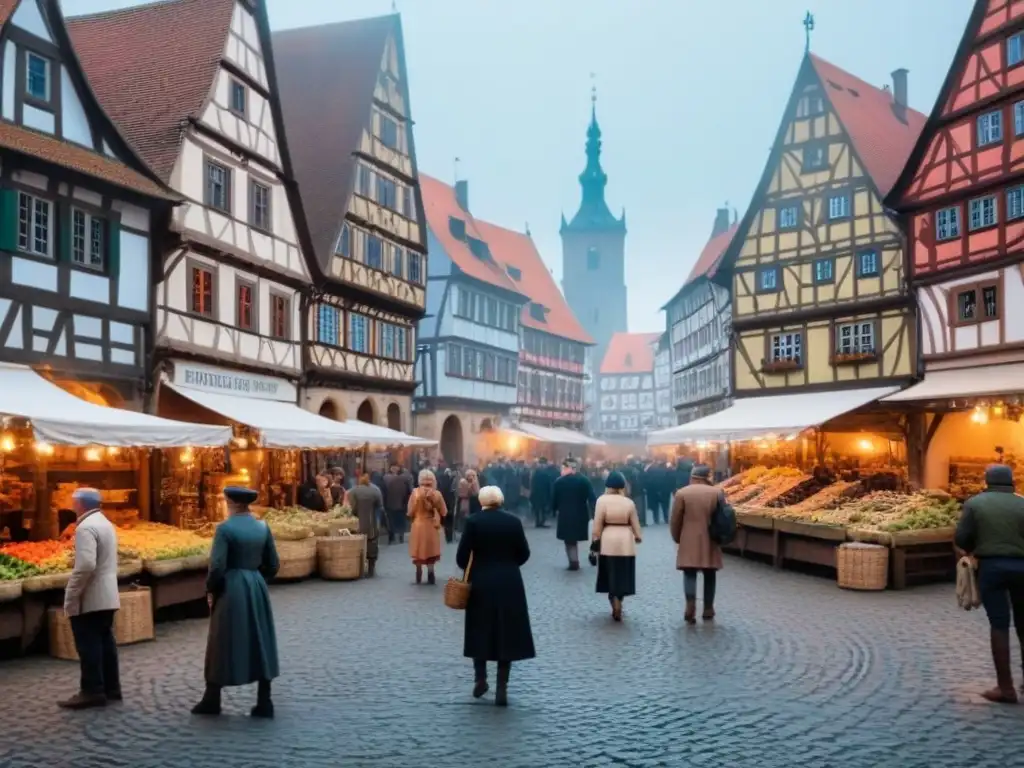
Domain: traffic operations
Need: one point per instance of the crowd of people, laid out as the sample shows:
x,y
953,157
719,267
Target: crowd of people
x,y
493,547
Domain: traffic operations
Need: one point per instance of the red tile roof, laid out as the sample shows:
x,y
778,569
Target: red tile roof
x,y
630,353
516,250
6,9
440,205
327,75
152,68
881,139
711,256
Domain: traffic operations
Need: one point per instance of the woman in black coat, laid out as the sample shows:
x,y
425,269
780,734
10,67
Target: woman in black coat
x,y
497,617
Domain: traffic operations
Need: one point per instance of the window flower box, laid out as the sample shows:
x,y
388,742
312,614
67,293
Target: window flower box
x,y
781,366
854,358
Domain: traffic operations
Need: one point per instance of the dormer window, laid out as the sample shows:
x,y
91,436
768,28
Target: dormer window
x,y
514,273
457,227
37,76
237,97
538,312
629,360
479,249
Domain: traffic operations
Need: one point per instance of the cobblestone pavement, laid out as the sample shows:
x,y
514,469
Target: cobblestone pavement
x,y
794,673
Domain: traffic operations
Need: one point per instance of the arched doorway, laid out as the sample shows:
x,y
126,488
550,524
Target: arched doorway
x,y
329,410
451,440
395,417
486,426
365,412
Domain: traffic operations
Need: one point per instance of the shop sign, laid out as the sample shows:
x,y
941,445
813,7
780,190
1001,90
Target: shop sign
x,y
223,381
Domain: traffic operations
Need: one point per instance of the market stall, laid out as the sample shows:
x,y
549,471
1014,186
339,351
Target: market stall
x,y
528,441
53,443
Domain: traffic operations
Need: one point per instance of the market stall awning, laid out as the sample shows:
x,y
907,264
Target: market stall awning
x,y
981,381
375,434
782,415
59,417
559,435
280,424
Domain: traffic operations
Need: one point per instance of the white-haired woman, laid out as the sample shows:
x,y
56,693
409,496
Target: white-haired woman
x,y
497,617
426,510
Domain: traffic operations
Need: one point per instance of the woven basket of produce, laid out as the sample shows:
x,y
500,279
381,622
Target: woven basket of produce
x,y
298,558
46,581
10,590
340,558
133,623
862,566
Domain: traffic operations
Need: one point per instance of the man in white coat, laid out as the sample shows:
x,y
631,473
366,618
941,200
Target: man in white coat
x,y
90,600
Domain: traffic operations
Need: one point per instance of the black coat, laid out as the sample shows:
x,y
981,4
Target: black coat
x,y
497,617
542,484
572,500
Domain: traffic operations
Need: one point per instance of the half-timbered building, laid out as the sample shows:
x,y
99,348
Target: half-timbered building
x,y
191,84
699,320
467,371
78,212
552,342
345,93
664,414
962,198
626,405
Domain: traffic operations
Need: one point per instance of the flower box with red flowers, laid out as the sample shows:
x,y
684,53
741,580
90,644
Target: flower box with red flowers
x,y
781,366
853,358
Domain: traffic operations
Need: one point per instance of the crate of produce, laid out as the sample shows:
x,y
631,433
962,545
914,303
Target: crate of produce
x,y
297,557
340,558
862,566
132,624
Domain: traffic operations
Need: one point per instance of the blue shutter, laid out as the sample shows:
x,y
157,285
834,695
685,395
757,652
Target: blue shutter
x,y
114,247
8,219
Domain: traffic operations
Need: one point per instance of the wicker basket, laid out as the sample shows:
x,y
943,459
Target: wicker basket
x,y
340,558
298,558
132,624
46,582
456,591
10,590
862,566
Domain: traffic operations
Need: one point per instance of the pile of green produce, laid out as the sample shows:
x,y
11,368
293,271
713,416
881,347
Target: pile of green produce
x,y
12,569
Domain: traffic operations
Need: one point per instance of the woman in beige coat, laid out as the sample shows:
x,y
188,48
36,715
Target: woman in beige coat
x,y
617,527
426,510
692,509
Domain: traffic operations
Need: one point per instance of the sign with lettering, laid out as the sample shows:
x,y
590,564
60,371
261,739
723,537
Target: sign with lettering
x,y
223,381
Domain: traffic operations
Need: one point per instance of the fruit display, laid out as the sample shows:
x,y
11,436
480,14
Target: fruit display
x,y
297,523
155,541
758,485
45,556
886,511
12,569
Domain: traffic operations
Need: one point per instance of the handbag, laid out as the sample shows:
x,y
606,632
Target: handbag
x,y
968,596
595,548
456,591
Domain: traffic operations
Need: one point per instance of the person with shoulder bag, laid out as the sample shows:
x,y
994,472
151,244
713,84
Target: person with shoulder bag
x,y
693,511
616,532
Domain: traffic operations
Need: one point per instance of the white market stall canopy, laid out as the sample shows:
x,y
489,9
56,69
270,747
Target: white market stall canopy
x,y
285,425
985,381
59,417
559,435
782,415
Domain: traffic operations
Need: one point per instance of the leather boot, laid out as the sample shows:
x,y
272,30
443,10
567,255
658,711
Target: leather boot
x,y
210,703
264,706
1004,692
419,575
371,568
691,610
501,694
709,612
430,576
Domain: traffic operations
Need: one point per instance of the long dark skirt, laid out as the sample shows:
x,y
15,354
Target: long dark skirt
x,y
616,575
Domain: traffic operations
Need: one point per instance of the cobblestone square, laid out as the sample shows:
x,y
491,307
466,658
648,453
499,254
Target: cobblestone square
x,y
794,673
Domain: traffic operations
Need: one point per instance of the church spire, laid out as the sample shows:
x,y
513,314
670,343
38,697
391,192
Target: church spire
x,y
594,212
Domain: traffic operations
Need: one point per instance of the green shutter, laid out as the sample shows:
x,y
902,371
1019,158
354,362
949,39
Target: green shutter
x,y
114,247
64,232
8,219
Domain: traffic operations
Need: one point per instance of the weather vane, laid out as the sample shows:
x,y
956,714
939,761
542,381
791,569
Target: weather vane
x,y
808,28
593,88
456,166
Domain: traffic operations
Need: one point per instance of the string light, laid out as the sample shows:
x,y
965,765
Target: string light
x,y
866,445
187,456
240,442
6,443
43,449
980,416
93,454
113,450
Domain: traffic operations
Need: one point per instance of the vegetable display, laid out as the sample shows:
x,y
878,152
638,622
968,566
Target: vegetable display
x,y
297,523
12,569
155,541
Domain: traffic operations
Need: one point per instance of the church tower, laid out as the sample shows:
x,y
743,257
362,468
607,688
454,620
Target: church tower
x,y
593,254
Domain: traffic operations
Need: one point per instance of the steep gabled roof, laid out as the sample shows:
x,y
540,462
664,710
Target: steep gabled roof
x,y
152,68
6,9
934,120
630,353
709,260
441,206
519,255
882,136
327,76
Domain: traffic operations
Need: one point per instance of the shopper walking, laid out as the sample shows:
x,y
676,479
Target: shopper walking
x,y
367,503
692,509
542,482
427,512
90,601
397,489
241,647
469,497
572,500
991,529
617,529
494,548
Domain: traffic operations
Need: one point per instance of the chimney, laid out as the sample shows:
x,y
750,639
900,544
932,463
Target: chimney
x,y
721,222
899,88
462,195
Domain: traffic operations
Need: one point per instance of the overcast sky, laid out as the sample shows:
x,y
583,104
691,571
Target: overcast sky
x,y
690,94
